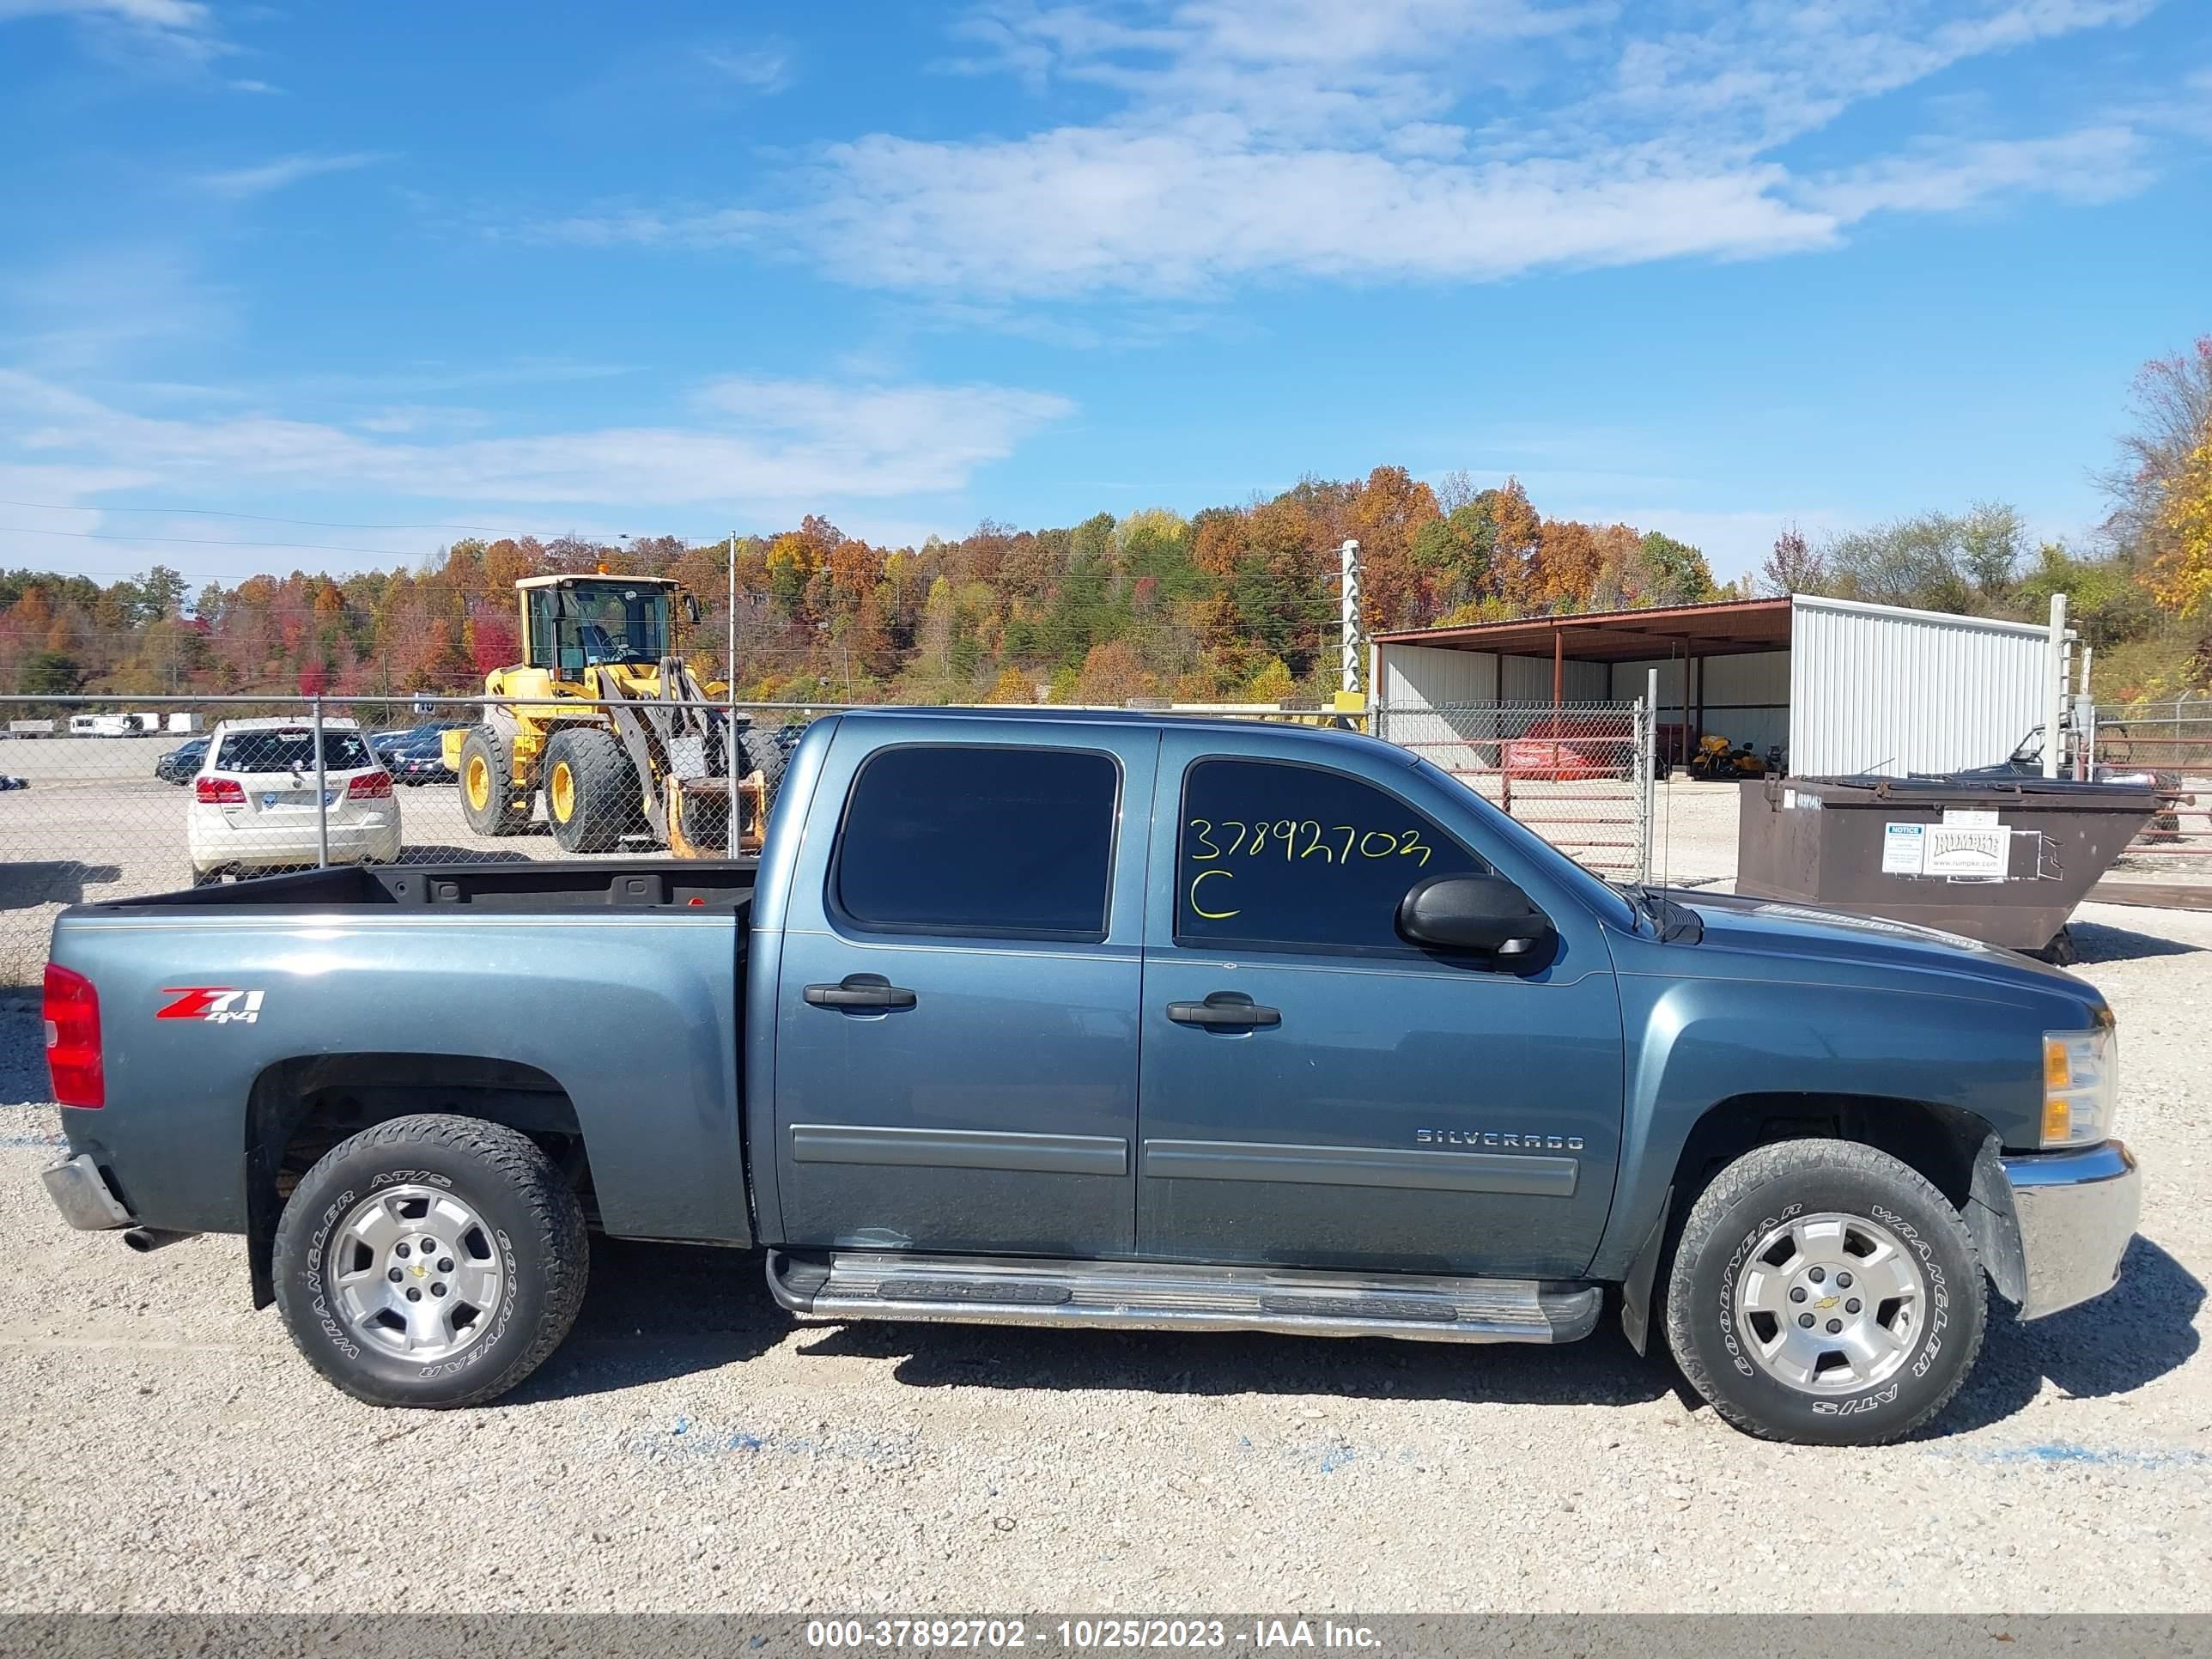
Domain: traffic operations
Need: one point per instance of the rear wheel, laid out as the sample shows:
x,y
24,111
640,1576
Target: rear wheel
x,y
487,789
431,1260
1825,1293
591,790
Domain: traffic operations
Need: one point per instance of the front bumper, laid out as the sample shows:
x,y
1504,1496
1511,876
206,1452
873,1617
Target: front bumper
x,y
82,1194
2051,1227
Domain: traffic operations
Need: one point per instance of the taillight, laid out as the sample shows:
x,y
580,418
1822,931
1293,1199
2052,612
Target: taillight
x,y
73,1039
370,786
219,792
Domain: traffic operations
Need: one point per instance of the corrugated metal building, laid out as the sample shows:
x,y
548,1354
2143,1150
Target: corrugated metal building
x,y
1842,687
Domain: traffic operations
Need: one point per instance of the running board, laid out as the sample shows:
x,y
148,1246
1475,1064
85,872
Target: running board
x,y
1162,1296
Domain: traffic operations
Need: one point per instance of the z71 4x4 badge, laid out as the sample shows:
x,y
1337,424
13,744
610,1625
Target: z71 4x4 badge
x,y
218,1004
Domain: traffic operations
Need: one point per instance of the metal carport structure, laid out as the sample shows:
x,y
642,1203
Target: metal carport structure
x,y
1841,686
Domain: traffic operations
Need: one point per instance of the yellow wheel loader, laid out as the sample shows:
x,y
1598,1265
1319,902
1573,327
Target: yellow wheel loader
x,y
594,718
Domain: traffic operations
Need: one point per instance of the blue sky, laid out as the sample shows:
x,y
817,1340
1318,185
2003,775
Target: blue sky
x,y
679,267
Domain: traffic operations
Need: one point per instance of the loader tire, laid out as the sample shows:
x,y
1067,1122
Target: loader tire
x,y
487,787
591,790
761,753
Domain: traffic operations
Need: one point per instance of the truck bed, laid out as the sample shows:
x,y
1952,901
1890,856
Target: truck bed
x,y
659,884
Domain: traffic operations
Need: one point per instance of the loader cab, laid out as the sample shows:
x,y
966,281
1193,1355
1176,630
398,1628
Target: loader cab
x,y
571,624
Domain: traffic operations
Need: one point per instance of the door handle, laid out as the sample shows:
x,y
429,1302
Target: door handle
x,y
1224,1011
860,991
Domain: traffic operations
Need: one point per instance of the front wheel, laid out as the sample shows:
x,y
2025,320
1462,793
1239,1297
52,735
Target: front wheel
x,y
489,800
431,1260
1825,1293
591,789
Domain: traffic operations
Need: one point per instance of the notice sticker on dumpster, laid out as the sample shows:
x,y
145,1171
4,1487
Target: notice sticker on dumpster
x,y
1902,846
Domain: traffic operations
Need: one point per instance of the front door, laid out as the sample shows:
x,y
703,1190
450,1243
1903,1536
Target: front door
x,y
1318,1093
956,1042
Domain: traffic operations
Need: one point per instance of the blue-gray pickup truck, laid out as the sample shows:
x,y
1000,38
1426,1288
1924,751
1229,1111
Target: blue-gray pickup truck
x,y
1065,1018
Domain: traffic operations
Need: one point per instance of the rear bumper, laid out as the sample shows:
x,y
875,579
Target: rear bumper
x,y
376,840
82,1194
2053,1226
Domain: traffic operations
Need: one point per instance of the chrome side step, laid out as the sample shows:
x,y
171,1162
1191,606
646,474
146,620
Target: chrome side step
x,y
1162,1295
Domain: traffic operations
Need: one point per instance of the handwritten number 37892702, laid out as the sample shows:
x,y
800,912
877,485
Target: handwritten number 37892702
x,y
1295,841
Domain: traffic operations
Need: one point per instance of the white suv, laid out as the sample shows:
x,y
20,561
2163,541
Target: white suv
x,y
254,807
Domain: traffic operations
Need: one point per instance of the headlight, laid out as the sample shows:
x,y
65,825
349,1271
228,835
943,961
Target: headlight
x,y
2081,1085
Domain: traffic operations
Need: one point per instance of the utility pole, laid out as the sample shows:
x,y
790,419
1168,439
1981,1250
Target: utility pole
x,y
731,745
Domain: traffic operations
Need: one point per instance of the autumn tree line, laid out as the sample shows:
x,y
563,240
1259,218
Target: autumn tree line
x,y
1235,604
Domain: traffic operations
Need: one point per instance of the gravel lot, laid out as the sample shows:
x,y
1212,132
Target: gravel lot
x,y
690,1448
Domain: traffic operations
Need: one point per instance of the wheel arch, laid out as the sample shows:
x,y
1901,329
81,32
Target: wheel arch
x,y
299,1108
1953,1148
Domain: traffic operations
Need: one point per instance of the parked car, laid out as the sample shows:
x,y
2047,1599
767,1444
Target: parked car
x,y
428,732
254,806
181,763
1102,1020
416,759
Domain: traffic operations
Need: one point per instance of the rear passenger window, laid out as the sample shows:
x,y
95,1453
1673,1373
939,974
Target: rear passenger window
x,y
1292,857
291,748
1002,842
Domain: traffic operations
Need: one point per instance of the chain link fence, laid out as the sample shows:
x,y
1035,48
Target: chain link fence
x,y
2171,740
102,799
110,800
1578,773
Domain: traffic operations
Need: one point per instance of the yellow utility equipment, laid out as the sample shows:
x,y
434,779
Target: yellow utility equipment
x,y
601,716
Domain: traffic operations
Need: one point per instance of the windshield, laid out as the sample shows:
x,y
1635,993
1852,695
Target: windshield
x,y
2030,749
291,748
606,621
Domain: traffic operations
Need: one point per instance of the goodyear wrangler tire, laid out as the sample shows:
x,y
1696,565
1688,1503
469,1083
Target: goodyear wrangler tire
x,y
432,1261
1825,1293
487,791
591,790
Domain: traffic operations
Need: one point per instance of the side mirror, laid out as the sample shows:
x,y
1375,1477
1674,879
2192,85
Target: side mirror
x,y
1474,913
691,609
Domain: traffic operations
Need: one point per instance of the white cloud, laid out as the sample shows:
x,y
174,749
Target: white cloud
x,y
183,15
163,36
753,444
762,67
110,306
2097,164
240,183
1404,140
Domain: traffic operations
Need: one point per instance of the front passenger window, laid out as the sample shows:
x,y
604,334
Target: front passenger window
x,y
1295,858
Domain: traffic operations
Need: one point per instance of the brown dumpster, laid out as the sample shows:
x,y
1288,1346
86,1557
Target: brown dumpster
x,y
2004,861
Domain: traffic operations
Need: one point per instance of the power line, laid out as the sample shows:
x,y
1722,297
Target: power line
x,y
201,541
293,547
254,518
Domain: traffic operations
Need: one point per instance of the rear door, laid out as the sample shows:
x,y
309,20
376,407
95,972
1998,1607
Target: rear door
x,y
956,1019
1317,1092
